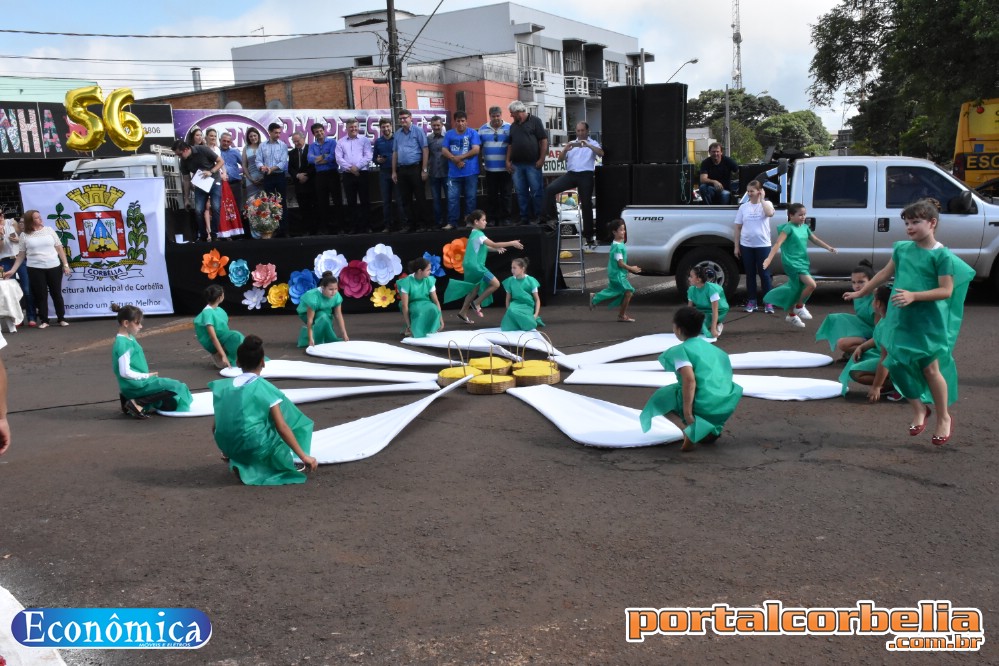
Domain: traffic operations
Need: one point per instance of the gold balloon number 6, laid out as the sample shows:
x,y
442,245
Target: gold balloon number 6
x,y
122,127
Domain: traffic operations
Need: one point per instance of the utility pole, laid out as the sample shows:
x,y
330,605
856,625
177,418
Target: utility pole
x,y
395,66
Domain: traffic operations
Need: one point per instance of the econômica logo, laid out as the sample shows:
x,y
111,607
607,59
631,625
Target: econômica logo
x,y
112,628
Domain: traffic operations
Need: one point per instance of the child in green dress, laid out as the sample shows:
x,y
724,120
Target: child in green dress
x,y
476,273
418,300
256,427
523,302
211,328
704,396
619,290
142,391
923,318
845,332
709,297
317,309
794,237
866,363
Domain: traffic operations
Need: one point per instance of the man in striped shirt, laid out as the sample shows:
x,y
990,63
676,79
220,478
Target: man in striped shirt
x,y
495,137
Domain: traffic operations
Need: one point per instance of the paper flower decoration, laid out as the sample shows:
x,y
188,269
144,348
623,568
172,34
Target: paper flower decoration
x,y
299,283
277,295
435,264
264,274
213,264
383,297
454,254
254,298
383,264
239,272
329,261
354,280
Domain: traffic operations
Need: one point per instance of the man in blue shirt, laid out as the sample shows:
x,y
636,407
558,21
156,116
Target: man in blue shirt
x,y
409,170
272,160
322,154
383,149
234,173
461,148
353,155
495,137
438,167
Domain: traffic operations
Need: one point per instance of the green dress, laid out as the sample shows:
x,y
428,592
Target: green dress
x,y
138,388
715,397
219,320
924,331
617,278
520,315
424,315
322,321
245,433
794,257
868,361
701,298
474,265
844,325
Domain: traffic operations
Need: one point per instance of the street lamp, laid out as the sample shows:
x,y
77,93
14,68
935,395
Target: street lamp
x,y
692,61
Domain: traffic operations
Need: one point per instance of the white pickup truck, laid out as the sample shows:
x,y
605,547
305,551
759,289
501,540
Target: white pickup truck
x,y
854,204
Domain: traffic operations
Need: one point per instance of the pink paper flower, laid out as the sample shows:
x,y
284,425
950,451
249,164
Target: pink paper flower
x,y
354,280
263,275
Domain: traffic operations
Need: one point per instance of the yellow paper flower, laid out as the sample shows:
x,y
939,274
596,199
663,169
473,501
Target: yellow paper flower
x,y
277,295
383,297
213,264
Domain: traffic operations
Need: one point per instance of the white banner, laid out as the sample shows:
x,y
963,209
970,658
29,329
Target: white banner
x,y
113,233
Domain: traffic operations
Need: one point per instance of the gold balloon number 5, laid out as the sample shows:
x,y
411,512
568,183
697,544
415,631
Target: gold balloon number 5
x,y
122,127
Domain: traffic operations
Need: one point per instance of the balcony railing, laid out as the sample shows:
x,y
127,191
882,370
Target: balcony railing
x,y
583,86
534,78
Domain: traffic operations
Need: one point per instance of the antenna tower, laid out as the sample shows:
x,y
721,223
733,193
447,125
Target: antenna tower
x,y
736,47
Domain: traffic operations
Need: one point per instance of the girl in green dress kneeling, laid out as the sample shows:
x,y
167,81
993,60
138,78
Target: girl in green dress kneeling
x,y
418,300
211,328
704,396
317,309
256,427
709,297
523,303
142,391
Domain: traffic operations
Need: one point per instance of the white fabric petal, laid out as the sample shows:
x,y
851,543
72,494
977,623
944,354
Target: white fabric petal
x,y
309,370
641,346
364,351
747,361
768,387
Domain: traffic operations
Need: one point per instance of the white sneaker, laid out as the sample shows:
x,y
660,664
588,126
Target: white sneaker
x,y
803,313
794,320
721,327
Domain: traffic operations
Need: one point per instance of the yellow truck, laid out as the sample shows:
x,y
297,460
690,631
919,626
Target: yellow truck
x,y
976,150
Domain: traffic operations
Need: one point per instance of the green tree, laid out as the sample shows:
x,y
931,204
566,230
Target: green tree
x,y
817,134
748,109
785,132
745,148
907,65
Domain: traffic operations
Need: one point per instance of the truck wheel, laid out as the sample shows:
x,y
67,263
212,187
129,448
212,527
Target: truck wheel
x,y
721,262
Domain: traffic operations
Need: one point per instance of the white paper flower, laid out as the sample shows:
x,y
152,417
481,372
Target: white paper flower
x,y
254,298
329,261
383,265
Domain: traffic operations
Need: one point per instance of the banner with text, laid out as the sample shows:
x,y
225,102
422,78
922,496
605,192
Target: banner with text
x,y
113,233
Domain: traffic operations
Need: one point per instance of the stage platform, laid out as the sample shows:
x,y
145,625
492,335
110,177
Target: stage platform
x,y
187,282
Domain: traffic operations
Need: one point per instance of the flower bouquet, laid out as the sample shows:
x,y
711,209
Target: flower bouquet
x,y
264,212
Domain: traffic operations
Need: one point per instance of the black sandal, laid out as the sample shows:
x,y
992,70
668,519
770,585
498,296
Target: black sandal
x,y
132,409
464,318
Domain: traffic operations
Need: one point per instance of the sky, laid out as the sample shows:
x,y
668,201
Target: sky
x,y
776,40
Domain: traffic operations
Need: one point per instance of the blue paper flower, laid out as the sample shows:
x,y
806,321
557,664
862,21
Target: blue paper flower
x,y
301,282
239,272
435,264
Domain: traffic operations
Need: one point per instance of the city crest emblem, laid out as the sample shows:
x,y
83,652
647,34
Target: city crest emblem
x,y
101,234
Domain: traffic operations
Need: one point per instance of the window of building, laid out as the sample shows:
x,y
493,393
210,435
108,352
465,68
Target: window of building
x,y
366,61
553,61
525,55
633,75
555,118
611,71
459,100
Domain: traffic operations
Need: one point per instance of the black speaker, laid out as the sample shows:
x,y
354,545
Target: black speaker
x,y
619,133
612,187
662,126
749,172
662,184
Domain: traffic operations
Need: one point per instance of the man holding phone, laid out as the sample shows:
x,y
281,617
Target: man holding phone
x,y
580,158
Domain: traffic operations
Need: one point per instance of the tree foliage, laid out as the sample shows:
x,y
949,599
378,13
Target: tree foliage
x,y
908,65
748,109
745,148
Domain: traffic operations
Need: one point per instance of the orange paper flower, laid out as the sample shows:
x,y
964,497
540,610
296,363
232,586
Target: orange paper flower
x,y
454,254
213,264
277,295
383,297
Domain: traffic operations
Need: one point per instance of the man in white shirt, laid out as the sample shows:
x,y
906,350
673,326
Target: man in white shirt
x,y
580,158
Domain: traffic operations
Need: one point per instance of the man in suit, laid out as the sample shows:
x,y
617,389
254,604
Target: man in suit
x,y
303,177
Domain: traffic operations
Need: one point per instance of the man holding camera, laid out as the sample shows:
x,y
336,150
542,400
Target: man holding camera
x,y
580,156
